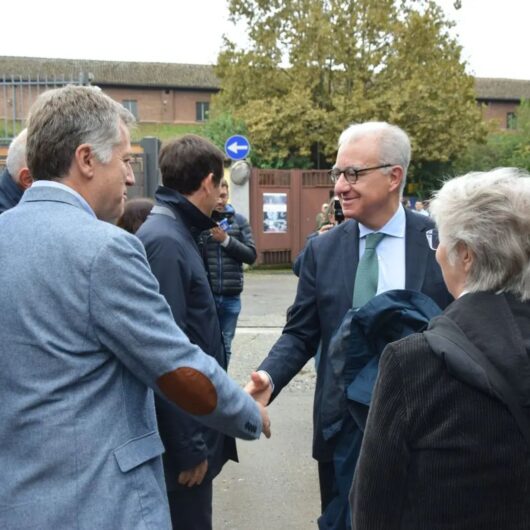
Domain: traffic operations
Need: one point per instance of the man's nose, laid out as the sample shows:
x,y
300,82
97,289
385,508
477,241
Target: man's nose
x,y
342,185
130,180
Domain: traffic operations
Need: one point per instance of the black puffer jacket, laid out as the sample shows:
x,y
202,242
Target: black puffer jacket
x,y
225,264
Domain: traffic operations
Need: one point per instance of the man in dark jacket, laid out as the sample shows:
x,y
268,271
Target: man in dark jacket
x,y
16,177
191,169
228,246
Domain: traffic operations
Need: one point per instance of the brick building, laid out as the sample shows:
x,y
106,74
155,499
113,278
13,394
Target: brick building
x,y
178,93
153,92
500,98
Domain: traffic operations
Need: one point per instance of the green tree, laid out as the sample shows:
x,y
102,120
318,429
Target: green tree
x,y
311,67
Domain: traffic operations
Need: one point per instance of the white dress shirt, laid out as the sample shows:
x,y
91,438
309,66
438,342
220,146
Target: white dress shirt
x,y
390,252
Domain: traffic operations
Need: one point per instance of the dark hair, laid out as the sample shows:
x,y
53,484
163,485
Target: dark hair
x,y
187,161
135,213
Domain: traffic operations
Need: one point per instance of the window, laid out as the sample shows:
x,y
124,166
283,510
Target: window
x,y
511,120
201,110
132,106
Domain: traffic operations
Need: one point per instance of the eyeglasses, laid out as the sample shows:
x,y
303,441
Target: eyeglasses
x,y
433,238
351,174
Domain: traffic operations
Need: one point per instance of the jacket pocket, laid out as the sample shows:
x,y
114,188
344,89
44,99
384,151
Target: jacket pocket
x,y
138,450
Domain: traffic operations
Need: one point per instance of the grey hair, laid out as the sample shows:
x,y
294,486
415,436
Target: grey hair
x,y
61,120
394,143
489,213
16,154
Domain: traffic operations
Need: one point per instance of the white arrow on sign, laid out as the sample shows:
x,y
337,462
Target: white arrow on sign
x,y
235,147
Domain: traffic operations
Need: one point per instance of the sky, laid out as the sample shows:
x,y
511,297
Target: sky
x,y
494,33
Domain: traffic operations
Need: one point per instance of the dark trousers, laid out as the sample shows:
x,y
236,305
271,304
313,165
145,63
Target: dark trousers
x,y
191,508
326,479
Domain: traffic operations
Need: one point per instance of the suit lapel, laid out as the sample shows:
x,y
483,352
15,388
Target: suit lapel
x,y
350,256
416,252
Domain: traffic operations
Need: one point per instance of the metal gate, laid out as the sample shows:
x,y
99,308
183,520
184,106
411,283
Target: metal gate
x,y
283,208
17,94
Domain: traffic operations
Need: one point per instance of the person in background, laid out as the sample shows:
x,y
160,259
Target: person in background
x,y
448,433
135,213
322,216
15,178
420,208
328,224
228,246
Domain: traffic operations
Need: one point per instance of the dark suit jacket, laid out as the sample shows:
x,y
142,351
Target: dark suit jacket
x,y
325,293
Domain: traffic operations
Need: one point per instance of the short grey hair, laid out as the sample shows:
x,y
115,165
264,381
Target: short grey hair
x,y
16,155
394,143
61,120
489,213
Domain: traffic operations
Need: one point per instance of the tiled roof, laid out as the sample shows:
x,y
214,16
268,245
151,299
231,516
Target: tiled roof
x,y
198,76
503,89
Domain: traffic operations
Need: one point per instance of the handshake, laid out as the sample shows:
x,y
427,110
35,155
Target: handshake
x,y
260,388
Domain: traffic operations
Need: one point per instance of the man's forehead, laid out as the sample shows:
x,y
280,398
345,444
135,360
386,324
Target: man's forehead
x,y
359,150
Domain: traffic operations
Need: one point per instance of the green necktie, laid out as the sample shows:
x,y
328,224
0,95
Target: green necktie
x,y
367,275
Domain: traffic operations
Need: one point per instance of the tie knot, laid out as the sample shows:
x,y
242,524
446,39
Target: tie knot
x,y
373,239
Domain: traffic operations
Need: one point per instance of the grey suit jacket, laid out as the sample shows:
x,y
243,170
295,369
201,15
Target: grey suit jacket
x,y
84,337
324,295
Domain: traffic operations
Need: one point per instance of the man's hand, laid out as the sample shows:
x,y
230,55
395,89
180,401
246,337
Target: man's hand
x,y
259,387
195,475
218,234
326,227
265,420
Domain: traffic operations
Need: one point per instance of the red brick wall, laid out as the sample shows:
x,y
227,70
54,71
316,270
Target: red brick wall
x,y
498,112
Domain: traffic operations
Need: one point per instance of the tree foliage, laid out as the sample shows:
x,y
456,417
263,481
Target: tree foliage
x,y
311,67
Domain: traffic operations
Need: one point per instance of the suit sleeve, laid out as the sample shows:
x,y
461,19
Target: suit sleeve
x,y
133,321
244,249
301,335
182,434
379,483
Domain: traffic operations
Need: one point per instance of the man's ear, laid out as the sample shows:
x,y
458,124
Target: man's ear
x,y
84,159
208,183
396,177
24,179
467,258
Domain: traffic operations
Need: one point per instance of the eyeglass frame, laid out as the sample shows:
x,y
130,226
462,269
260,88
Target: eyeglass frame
x,y
433,238
336,172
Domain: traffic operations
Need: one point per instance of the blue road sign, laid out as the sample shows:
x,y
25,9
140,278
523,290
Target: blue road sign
x,y
237,147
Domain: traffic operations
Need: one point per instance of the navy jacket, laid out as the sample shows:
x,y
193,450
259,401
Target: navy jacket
x,y
10,193
225,264
354,353
324,295
175,259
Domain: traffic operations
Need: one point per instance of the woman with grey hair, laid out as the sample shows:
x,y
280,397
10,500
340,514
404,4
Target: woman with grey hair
x,y
447,443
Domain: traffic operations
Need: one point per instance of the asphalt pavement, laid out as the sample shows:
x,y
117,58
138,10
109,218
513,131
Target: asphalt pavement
x,y
275,484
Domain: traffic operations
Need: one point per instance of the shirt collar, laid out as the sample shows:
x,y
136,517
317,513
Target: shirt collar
x,y
54,184
395,227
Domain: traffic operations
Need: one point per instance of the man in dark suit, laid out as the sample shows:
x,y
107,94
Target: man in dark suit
x,y
15,178
369,175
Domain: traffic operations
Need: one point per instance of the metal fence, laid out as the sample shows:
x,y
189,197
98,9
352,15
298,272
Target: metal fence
x,y
17,93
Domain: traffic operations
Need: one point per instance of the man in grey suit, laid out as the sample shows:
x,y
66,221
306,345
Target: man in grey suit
x,y
369,176
85,336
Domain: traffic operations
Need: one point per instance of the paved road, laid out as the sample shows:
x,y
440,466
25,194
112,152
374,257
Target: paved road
x,y
275,485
